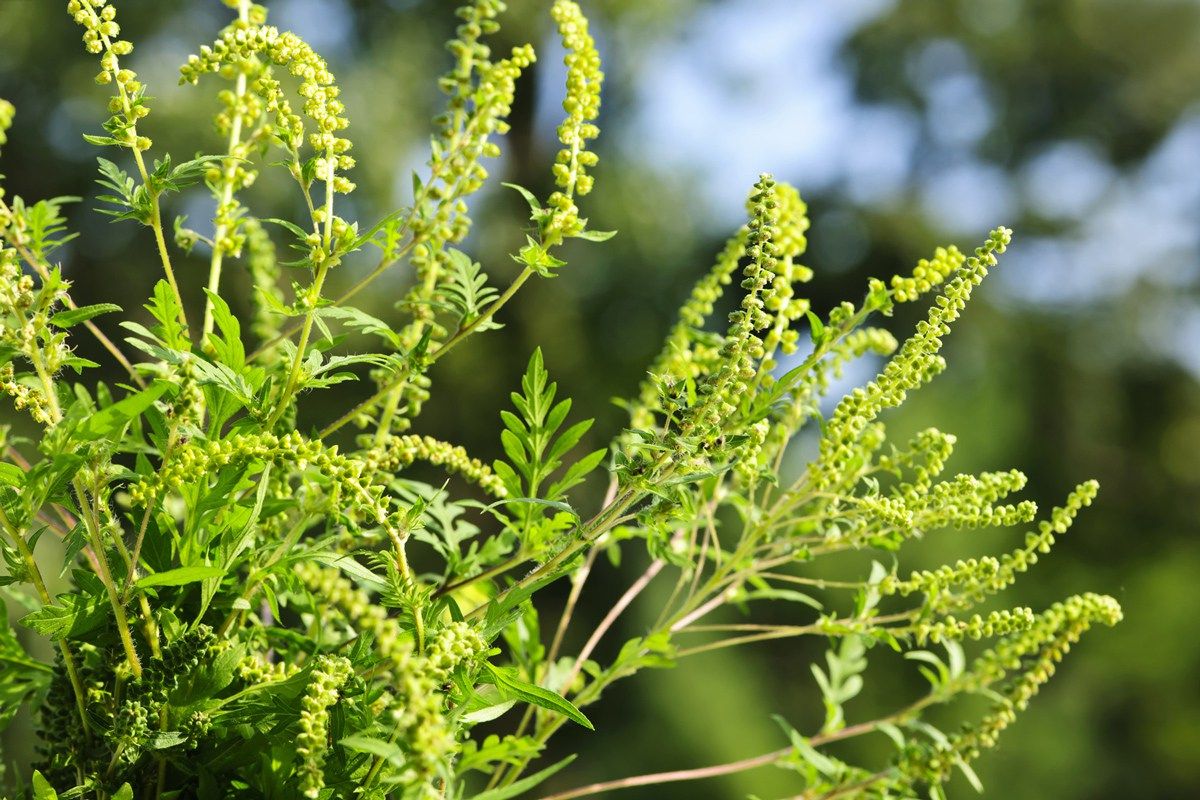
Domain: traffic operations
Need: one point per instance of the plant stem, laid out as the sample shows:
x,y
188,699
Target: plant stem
x,y
302,345
92,525
487,574
235,137
155,213
163,254
841,791
39,585
611,617
589,532
778,632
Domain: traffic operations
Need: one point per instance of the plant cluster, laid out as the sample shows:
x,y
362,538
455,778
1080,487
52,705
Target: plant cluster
x,y
255,611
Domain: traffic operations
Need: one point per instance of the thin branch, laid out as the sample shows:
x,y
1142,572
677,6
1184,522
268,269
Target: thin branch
x,y
618,608
745,764
675,776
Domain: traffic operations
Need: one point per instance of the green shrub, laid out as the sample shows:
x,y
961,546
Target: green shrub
x,y
259,612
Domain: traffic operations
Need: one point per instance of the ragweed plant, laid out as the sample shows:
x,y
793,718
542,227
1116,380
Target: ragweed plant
x,y
255,611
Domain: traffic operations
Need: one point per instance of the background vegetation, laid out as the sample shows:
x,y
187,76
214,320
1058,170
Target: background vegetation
x,y
905,125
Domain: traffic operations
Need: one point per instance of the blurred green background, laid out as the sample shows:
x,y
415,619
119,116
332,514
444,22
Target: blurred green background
x,y
905,125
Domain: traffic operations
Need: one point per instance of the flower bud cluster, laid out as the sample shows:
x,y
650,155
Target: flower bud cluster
x,y
417,712
804,398
98,18
969,501
453,646
337,592
478,20
238,120
317,87
255,669
417,706
780,298
480,99
875,519
926,457
976,627
204,458
26,397
347,481
1066,620
582,105
967,582
914,365
1046,640
723,391
146,699
928,274
748,456
477,111
25,329
7,111
328,676
480,93
398,452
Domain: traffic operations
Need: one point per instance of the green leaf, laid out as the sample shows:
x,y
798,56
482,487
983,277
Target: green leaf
x,y
161,740
537,257
114,417
879,297
101,141
74,316
536,501
78,614
466,291
11,475
124,793
595,236
20,674
210,678
357,318
214,373
42,790
227,347
488,713
179,576
534,204
389,751
525,784
296,230
532,444
351,567
970,775
512,686
569,438
817,330
165,308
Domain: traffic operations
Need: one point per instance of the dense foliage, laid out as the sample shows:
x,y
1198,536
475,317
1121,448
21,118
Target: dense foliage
x,y
261,612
